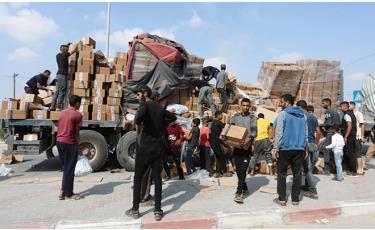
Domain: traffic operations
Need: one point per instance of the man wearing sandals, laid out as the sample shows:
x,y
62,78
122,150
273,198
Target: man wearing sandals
x,y
68,138
151,116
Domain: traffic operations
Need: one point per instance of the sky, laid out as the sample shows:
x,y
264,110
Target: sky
x,y
242,35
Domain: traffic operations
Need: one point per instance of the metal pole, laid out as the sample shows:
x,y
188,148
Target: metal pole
x,y
108,27
14,84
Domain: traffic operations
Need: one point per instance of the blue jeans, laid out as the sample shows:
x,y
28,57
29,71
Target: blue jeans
x,y
189,155
338,162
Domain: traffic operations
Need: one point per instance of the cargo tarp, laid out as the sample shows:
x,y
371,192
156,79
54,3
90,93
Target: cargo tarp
x,y
165,78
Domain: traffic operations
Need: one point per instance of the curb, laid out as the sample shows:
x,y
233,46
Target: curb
x,y
245,219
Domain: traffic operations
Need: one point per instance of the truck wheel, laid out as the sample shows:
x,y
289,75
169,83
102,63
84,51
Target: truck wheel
x,y
94,146
126,151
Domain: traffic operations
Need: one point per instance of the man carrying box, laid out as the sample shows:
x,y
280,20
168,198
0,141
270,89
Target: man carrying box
x,y
241,156
62,60
205,95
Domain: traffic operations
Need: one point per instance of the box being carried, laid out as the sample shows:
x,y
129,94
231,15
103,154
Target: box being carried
x,y
234,135
88,41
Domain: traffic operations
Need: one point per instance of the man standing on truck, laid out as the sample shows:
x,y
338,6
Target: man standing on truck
x,y
68,139
62,60
222,80
331,119
205,95
360,138
151,116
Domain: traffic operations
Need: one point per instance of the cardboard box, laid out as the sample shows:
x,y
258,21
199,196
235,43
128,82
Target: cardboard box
x,y
88,41
44,93
119,61
98,116
122,55
30,137
84,108
119,67
116,85
116,77
85,100
99,108
101,77
48,100
113,101
81,84
40,114
233,135
112,116
85,65
73,56
195,59
10,104
14,114
81,92
84,48
98,92
98,84
87,54
80,76
98,101
112,109
102,70
55,115
115,93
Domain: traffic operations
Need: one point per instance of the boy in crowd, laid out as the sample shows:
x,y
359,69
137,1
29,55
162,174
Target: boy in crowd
x,y
205,150
193,139
263,145
241,156
174,136
216,127
337,146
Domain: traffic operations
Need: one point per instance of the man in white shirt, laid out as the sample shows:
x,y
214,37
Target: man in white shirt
x,y
359,138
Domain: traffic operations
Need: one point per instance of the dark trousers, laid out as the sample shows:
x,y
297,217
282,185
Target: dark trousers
x,y
241,161
221,164
58,97
68,154
349,155
146,184
166,166
205,156
177,161
224,100
295,159
142,162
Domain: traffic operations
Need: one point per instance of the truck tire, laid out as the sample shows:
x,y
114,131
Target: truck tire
x,y
94,146
126,151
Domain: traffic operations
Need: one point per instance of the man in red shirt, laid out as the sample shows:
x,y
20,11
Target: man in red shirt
x,y
68,139
174,136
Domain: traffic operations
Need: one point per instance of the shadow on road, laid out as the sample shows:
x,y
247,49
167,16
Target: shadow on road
x,y
52,164
102,189
255,183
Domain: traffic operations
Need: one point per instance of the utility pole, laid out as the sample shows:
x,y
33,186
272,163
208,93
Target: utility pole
x,y
14,84
108,27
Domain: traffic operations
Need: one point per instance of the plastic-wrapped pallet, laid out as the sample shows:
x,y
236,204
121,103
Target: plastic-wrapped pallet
x,y
280,78
321,79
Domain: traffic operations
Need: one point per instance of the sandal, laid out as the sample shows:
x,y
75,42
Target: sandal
x,y
158,215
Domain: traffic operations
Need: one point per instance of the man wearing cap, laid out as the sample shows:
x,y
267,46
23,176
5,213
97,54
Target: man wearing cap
x,y
62,60
222,80
150,116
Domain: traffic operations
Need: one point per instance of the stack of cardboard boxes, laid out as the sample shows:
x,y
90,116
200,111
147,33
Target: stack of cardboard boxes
x,y
10,110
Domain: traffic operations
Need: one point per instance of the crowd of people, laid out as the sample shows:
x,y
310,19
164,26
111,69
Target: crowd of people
x,y
292,140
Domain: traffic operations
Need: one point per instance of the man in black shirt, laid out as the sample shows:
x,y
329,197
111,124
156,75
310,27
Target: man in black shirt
x,y
151,117
216,127
205,95
349,131
331,119
209,72
62,60
38,82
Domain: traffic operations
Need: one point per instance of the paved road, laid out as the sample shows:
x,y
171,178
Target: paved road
x,y
28,198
